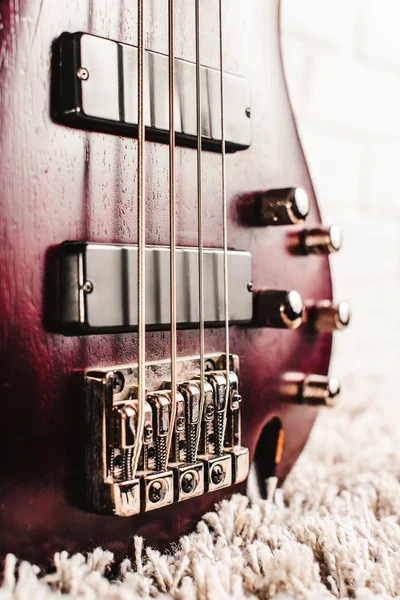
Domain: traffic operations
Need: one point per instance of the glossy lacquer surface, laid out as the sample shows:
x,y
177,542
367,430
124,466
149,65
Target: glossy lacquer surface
x,y
60,184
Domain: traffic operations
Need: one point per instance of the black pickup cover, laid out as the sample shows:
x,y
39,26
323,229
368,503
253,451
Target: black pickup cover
x,y
105,99
98,288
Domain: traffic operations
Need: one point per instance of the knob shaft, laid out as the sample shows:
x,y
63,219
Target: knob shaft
x,y
327,317
286,206
314,390
279,309
319,390
321,240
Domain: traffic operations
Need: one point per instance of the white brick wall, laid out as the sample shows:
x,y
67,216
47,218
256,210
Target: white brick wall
x,y
342,60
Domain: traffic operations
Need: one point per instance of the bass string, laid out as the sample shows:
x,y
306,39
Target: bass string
x,y
172,223
141,391
199,214
172,196
224,213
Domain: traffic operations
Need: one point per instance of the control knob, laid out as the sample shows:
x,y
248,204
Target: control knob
x,y
314,390
319,390
285,206
279,309
321,240
327,317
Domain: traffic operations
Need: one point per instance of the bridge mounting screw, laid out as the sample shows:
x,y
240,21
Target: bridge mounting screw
x,y
217,474
250,286
248,112
188,483
156,492
82,73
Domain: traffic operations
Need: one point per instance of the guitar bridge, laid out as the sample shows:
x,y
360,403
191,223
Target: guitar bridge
x,y
204,455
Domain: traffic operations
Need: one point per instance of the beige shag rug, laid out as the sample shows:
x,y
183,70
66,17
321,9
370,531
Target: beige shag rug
x,y
332,532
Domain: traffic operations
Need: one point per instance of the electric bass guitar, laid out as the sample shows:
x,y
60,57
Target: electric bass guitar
x,y
166,302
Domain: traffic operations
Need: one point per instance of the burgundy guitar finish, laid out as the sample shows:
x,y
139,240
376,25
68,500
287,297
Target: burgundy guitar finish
x,y
63,184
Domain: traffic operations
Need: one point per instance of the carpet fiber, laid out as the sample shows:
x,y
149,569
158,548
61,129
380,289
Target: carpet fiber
x,y
332,532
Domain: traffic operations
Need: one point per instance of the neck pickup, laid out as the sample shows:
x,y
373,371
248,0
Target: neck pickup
x,y
94,87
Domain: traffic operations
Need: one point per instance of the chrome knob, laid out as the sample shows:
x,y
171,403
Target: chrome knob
x,y
319,390
285,206
321,240
328,317
279,309
314,390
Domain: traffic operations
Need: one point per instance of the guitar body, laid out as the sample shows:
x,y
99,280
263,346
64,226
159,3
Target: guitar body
x,y
60,183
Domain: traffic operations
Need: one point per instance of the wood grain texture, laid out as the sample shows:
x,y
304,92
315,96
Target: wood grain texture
x,y
62,184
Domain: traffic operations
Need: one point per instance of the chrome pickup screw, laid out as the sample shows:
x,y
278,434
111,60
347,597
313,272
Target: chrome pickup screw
x,y
82,74
88,287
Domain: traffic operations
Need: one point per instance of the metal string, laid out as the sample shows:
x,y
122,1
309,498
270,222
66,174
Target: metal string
x,y
172,220
141,245
224,214
199,214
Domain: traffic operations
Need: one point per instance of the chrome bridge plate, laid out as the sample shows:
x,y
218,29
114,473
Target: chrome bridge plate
x,y
98,288
191,469
95,88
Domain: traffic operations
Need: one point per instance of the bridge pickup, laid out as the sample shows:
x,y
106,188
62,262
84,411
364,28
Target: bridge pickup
x,y
98,288
94,87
